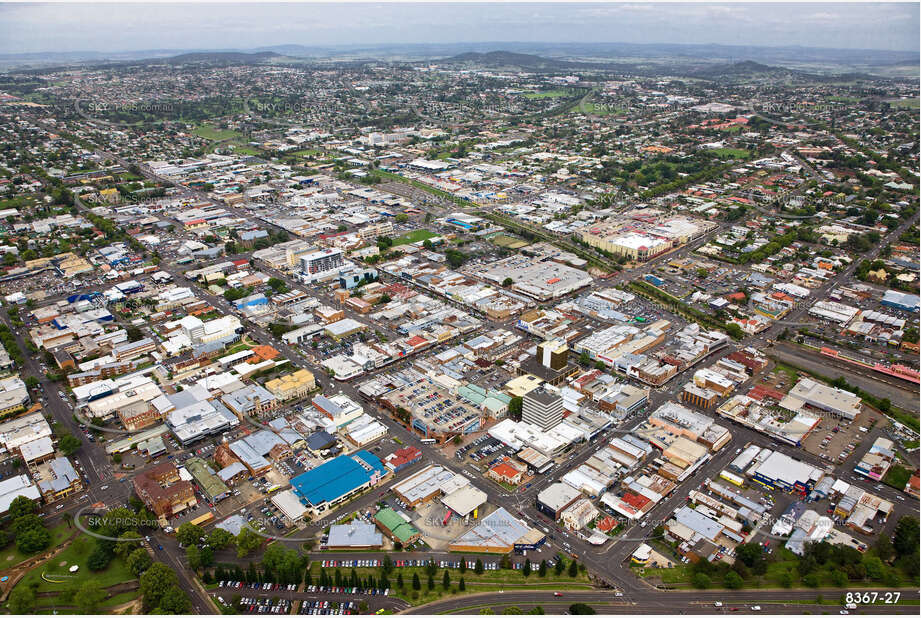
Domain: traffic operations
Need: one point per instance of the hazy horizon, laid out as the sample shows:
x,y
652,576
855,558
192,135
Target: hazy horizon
x,y
116,28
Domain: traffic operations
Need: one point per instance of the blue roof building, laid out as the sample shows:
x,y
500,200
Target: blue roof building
x,y
338,480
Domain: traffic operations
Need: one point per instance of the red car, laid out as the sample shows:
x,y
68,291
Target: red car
x,y
557,594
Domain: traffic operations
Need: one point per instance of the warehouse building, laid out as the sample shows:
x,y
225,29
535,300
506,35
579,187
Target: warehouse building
x,y
354,535
557,498
808,393
498,533
779,471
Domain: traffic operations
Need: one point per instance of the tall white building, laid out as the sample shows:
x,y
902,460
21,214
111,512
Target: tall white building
x,y
543,408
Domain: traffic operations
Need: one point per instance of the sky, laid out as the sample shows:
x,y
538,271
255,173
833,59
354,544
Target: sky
x,y
114,27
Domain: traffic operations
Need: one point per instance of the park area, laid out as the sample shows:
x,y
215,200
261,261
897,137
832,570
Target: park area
x,y
548,94
508,242
413,237
65,583
210,132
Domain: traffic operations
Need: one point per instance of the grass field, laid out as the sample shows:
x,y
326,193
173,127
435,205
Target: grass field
x,y
598,109
783,562
209,132
547,94
12,556
509,242
245,149
307,152
904,103
77,553
414,236
731,153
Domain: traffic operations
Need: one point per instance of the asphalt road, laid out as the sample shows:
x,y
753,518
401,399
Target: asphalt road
x,y
652,601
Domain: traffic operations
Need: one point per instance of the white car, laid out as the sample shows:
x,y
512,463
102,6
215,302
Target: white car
x,y
718,604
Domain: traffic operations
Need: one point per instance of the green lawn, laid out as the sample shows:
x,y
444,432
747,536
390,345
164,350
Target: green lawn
x,y
904,103
77,553
414,236
547,94
11,556
245,149
212,133
734,153
897,477
509,242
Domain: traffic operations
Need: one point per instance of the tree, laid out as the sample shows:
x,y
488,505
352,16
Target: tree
x,y
700,581
573,568
514,407
733,580
402,217
68,444
189,534
417,585
786,579
507,282
512,610
278,286
559,567
536,610
138,561
542,569
219,538
100,557
174,601
127,543
88,598
526,569
478,567
193,557
21,506
431,582
905,539
247,541
486,611
752,556
446,580
155,583
580,609
463,565
33,540
22,600
461,585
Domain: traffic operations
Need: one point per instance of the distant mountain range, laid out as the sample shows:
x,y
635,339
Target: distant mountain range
x,y
703,61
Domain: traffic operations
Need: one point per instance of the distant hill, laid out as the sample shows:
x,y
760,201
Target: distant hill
x,y
220,58
507,59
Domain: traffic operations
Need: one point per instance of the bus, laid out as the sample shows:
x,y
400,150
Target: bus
x,y
427,440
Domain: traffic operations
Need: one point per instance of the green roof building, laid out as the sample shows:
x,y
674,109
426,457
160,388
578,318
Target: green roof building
x,y
396,527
